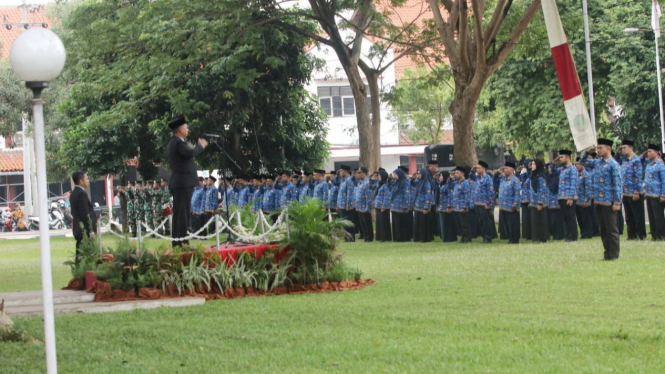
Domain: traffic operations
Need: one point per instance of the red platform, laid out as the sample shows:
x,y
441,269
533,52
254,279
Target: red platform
x,y
230,253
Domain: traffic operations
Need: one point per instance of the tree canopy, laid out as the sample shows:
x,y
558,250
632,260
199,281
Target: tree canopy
x,y
140,63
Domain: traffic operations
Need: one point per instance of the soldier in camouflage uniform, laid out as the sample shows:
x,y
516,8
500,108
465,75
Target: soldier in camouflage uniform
x,y
139,204
165,200
156,204
130,196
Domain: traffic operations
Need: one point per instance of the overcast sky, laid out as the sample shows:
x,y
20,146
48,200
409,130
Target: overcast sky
x,y
19,2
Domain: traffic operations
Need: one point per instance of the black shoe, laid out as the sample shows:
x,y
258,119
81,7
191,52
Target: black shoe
x,y
487,241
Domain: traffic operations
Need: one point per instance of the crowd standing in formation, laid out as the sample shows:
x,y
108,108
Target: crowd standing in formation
x,y
146,202
554,199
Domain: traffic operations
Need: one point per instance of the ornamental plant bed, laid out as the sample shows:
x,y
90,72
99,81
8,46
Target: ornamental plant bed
x,y
104,293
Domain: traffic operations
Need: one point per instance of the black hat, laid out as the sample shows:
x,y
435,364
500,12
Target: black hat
x,y
177,123
578,159
483,164
243,177
297,172
628,142
403,168
510,165
382,169
654,147
461,168
362,169
433,162
319,171
212,178
201,179
607,142
565,152
592,154
270,176
345,167
287,172
307,173
333,172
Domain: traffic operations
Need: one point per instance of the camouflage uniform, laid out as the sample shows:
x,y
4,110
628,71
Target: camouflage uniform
x,y
130,195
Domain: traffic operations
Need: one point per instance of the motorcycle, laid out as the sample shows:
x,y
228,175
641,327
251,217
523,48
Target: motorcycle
x,y
55,222
7,222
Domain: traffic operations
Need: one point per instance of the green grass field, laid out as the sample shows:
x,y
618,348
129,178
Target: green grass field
x,y
552,308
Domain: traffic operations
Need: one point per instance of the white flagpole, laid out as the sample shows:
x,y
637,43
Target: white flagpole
x,y
655,25
592,109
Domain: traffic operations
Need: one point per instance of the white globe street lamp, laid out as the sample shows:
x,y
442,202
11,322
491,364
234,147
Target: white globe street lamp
x,y
37,57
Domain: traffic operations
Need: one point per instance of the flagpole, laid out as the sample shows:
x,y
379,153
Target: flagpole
x,y
660,95
592,108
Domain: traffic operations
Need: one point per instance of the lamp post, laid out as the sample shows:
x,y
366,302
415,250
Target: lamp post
x,y
37,57
630,30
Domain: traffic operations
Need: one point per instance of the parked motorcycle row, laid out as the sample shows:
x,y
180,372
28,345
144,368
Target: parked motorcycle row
x,y
59,218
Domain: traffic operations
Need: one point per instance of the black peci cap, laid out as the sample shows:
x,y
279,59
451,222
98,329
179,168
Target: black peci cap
x,y
565,152
654,147
345,167
177,123
607,142
483,164
510,165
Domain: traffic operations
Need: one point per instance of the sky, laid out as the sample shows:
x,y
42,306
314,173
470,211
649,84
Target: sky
x,y
19,2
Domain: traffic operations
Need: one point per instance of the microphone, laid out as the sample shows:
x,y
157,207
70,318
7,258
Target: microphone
x,y
211,136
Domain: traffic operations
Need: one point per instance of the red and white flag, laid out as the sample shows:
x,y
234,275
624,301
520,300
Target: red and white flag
x,y
576,110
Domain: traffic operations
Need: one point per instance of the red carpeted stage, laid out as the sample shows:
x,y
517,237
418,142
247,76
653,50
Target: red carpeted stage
x,y
230,253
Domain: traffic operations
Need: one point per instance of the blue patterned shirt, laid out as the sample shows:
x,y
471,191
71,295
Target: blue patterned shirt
x,y
484,191
198,200
461,197
345,195
332,196
423,200
542,196
631,173
210,201
268,202
243,196
444,195
257,198
382,199
400,201
526,190
654,179
568,183
509,193
583,188
606,180
321,190
289,195
363,196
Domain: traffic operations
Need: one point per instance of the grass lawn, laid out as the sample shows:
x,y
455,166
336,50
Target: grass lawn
x,y
552,308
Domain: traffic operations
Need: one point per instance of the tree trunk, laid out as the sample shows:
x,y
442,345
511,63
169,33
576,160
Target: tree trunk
x,y
366,144
463,109
375,133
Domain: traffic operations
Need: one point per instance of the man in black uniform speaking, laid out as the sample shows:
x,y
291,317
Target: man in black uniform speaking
x,y
183,176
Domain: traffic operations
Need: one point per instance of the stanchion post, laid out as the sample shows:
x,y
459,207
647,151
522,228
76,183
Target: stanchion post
x,y
99,233
263,230
138,234
288,229
217,229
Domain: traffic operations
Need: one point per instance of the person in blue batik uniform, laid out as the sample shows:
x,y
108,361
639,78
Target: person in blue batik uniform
x,y
422,207
289,193
304,188
509,202
525,178
583,208
210,203
632,173
539,201
344,200
400,206
606,190
257,194
484,199
269,202
382,209
197,208
242,191
447,224
654,185
363,202
321,188
460,202
567,195
334,190
554,214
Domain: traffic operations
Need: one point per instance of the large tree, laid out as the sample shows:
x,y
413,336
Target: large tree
x,y
139,63
476,37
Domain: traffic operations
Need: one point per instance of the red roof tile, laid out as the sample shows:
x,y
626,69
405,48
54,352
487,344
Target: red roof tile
x,y
446,138
11,160
13,15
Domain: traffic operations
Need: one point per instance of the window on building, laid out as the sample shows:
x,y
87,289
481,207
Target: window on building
x,y
337,101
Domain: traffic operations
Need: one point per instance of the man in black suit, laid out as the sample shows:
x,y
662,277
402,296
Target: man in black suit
x,y
183,176
83,214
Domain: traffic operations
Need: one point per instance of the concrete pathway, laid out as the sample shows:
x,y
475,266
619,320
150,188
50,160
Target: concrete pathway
x,y
68,301
33,234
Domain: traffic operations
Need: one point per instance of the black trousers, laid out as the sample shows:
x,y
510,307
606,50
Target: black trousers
x,y
540,227
620,220
609,231
422,226
569,220
205,218
79,240
464,226
349,215
585,220
383,231
526,221
511,224
635,217
182,198
433,221
448,226
401,227
474,223
486,223
556,224
409,218
367,229
656,218
503,234
594,220
361,223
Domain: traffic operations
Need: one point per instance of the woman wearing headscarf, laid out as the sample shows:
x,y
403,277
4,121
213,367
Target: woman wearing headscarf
x,y
446,218
400,206
423,198
554,215
382,209
540,197
525,178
